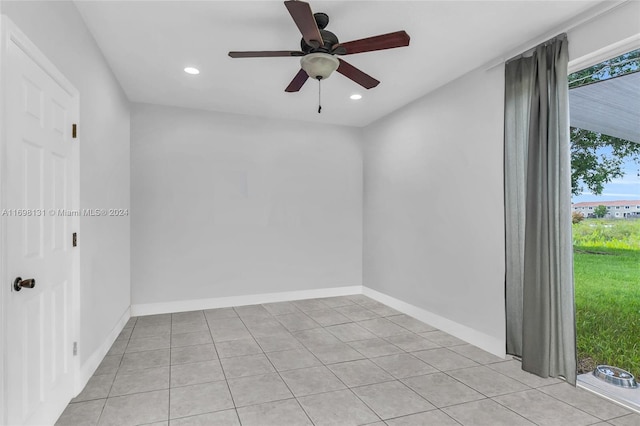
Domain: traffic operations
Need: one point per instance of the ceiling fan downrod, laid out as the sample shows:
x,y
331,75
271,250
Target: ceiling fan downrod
x,y
319,98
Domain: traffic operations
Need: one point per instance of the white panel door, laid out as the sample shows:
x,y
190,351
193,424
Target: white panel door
x,y
39,173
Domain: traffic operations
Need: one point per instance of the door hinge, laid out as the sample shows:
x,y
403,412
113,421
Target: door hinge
x,y
75,348
74,239
74,131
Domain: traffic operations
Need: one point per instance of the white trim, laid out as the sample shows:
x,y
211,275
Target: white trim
x,y
252,299
586,381
3,239
490,344
607,52
93,361
582,18
627,398
15,35
10,33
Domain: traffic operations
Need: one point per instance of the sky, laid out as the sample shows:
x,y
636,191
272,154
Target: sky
x,y
626,188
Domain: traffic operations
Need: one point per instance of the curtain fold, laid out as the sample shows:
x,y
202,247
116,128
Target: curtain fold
x,y
517,103
539,259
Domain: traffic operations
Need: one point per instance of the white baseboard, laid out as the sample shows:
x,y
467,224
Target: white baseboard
x,y
488,343
93,362
252,299
483,341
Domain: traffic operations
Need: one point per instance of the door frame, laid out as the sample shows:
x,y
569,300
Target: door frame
x,y
10,33
595,57
607,52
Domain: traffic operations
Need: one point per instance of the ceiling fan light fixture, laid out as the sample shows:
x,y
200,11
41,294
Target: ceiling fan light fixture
x,y
319,65
192,70
355,97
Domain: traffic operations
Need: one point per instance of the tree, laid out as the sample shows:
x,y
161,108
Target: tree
x,y
591,166
596,159
576,217
600,211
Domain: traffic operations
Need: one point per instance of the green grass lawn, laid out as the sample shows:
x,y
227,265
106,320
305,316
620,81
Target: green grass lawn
x,y
607,293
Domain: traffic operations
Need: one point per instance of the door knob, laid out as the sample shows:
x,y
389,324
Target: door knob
x,y
19,283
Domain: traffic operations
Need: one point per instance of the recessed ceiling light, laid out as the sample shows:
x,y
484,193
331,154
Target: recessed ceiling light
x,y
192,70
355,97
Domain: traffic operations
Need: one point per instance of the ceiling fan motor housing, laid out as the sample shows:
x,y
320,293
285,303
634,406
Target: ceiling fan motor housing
x,y
329,39
322,20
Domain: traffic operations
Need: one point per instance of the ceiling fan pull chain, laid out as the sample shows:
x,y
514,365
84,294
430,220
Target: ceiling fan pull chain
x,y
319,98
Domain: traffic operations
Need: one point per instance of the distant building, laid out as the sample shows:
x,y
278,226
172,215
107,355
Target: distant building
x,y
615,209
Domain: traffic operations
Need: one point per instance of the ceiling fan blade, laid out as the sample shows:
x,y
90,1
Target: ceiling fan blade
x,y
363,79
265,54
381,42
302,15
297,82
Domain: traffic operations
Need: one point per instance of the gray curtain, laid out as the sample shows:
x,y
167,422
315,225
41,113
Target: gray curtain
x,y
539,257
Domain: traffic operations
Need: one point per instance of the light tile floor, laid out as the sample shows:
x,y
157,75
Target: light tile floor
x,y
335,361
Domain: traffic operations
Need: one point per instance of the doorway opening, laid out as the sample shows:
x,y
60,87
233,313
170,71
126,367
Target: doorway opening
x,y
605,155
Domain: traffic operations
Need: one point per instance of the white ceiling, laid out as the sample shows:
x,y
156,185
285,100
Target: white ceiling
x,y
148,43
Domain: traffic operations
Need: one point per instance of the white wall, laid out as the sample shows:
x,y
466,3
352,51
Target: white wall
x,y
433,193
58,30
229,205
433,204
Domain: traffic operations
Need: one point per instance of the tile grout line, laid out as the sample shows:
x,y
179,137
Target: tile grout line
x,y
422,412
339,379
276,370
347,388
632,413
488,365
118,369
497,402
321,327
552,397
512,410
325,366
573,406
477,390
170,367
224,374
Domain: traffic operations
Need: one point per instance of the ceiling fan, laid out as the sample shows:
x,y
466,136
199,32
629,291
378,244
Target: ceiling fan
x,y
319,48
